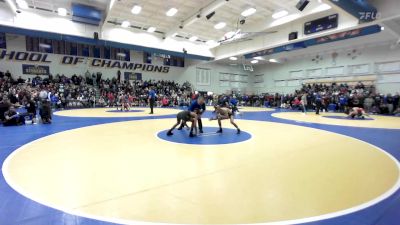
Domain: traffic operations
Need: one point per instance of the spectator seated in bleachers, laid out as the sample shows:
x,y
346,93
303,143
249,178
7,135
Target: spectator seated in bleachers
x,y
12,118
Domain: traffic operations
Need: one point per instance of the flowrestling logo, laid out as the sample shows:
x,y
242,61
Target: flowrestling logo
x,y
36,57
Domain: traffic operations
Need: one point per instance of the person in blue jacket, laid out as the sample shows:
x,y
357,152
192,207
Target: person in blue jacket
x,y
234,105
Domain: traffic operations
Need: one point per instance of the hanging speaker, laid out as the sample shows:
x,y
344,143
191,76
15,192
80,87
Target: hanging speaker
x,y
293,36
96,36
209,16
302,4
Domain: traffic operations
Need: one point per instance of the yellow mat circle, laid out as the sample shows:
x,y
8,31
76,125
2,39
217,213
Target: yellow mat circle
x,y
121,172
388,122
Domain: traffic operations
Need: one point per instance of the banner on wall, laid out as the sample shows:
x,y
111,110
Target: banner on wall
x,y
35,70
339,36
36,57
132,76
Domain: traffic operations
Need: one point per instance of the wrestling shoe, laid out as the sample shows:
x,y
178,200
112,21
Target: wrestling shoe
x,y
169,133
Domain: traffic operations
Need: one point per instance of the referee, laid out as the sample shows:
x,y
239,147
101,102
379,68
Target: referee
x,y
199,106
152,99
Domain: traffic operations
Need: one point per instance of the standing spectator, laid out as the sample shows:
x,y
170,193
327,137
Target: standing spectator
x,y
304,102
31,109
152,99
119,76
45,112
390,101
368,104
318,103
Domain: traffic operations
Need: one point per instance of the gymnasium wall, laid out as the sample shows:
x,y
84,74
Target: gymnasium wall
x,y
379,64
205,76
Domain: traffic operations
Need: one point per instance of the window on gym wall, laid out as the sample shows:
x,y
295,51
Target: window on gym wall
x,y
126,55
45,45
174,61
84,50
120,54
177,61
106,52
147,57
58,47
114,53
3,43
97,50
71,48
167,61
32,44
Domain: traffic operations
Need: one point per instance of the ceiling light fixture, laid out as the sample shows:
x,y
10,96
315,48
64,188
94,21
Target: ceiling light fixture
x,y
193,38
121,54
280,14
249,12
220,25
233,58
62,11
285,19
136,9
254,61
273,61
211,42
151,29
171,12
230,34
22,4
125,24
46,46
258,58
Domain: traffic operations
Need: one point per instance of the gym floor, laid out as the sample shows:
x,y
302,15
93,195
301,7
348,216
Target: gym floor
x,y
102,166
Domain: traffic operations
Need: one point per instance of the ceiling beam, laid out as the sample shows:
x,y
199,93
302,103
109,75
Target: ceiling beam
x,y
392,27
110,6
12,6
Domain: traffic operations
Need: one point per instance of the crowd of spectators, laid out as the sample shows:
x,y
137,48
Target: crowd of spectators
x,y
329,97
62,92
90,90
169,93
338,97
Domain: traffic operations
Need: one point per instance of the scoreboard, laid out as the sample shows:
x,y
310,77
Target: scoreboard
x,y
322,24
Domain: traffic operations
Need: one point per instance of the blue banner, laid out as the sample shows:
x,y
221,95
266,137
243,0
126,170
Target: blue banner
x,y
35,70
